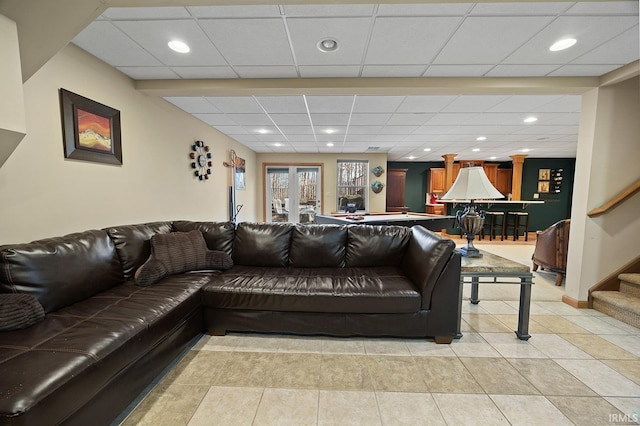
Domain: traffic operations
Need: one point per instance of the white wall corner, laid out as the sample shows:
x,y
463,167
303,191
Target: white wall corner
x,y
13,125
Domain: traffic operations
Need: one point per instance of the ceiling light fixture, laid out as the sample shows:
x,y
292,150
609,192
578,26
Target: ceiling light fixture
x,y
481,138
330,131
329,143
277,144
411,157
562,44
179,46
475,149
531,119
493,157
525,150
427,149
263,131
328,45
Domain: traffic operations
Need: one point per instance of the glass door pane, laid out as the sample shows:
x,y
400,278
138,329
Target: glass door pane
x,y
293,193
278,194
308,194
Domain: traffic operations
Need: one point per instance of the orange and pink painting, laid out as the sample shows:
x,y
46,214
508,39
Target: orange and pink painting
x,y
94,131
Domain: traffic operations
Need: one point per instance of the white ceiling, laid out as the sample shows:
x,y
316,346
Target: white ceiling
x,y
385,40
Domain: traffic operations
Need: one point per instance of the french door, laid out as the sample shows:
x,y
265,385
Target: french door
x,y
293,193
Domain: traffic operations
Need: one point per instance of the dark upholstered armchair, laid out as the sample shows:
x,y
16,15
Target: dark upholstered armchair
x,y
551,249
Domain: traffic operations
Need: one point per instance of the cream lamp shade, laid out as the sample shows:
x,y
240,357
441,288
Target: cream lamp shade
x,y
472,183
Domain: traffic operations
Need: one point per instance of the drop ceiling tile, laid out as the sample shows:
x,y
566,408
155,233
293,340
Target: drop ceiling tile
x,y
310,149
106,42
204,72
385,104
272,137
283,104
291,119
565,103
520,8
364,130
231,129
153,36
259,120
521,70
296,130
250,41
148,73
487,40
590,31
271,71
242,138
319,71
408,40
192,104
244,11
142,13
523,103
359,138
310,138
435,9
398,130
254,130
369,119
329,104
474,103
401,119
334,121
604,8
350,33
457,70
421,103
432,130
445,119
583,70
218,120
235,104
329,10
619,50
393,70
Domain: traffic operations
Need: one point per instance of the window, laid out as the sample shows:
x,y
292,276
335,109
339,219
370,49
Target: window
x,y
353,184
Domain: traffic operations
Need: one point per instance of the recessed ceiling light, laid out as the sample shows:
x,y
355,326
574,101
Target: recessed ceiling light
x,y
411,157
562,44
481,138
493,158
329,143
525,150
530,119
328,45
330,131
475,149
263,131
427,149
277,144
179,46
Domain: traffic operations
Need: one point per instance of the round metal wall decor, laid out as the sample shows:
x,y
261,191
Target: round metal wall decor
x,y
201,160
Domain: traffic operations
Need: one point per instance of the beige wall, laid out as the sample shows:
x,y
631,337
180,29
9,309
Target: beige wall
x,y
606,163
44,195
377,202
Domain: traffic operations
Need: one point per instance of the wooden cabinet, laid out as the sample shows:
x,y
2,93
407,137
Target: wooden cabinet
x,y
436,181
491,170
396,183
503,181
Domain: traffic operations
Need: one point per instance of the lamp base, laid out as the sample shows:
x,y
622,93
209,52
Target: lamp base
x,y
467,251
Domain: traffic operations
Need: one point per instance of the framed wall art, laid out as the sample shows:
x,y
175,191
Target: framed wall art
x,y
90,130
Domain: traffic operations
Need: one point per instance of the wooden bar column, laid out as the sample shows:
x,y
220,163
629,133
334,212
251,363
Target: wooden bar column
x,y
516,178
448,171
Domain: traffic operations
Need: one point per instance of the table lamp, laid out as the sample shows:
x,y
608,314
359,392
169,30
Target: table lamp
x,y
471,184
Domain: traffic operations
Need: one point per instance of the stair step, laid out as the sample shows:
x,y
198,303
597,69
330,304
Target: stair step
x,y
633,278
630,284
621,306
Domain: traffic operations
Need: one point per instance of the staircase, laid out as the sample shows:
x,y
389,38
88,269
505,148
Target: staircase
x,y
623,305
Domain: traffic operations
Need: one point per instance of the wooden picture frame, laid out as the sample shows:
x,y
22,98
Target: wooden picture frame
x,y
544,174
90,130
543,186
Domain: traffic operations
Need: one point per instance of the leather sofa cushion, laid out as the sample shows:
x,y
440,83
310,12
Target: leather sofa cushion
x,y
218,235
61,271
81,347
340,290
318,246
262,244
380,245
133,243
179,252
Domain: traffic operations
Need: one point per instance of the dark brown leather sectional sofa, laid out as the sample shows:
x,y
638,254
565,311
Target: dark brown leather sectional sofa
x,y
104,338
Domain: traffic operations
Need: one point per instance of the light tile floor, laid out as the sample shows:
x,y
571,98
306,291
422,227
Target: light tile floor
x,y
579,367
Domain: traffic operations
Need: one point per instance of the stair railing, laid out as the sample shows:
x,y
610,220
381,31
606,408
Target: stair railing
x,y
618,199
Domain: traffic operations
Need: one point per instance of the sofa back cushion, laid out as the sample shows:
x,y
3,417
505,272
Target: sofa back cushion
x,y
318,246
61,271
133,243
262,244
379,245
218,235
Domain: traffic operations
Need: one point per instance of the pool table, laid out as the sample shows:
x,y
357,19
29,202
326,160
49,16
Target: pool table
x,y
430,221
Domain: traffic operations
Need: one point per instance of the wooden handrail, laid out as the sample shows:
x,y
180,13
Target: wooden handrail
x,y
617,200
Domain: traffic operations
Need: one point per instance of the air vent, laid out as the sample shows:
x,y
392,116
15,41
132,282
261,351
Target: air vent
x,y
373,148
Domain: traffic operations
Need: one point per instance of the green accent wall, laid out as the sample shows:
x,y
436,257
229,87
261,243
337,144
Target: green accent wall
x,y
557,206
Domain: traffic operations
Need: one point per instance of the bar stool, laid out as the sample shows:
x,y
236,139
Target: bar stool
x,y
518,221
494,221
